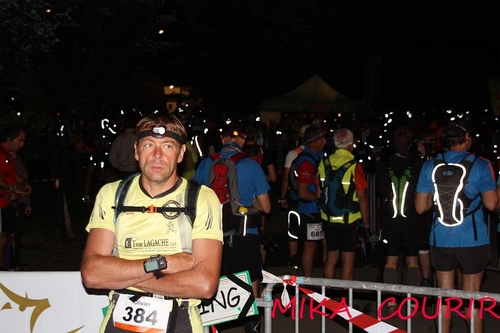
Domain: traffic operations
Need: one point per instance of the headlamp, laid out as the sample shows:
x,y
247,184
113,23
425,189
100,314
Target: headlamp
x,y
160,132
235,134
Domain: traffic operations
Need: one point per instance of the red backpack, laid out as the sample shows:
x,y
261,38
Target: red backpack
x,y
223,180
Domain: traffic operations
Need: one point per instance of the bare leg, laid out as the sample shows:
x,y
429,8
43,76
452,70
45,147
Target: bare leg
x,y
424,258
255,288
293,248
308,257
332,258
446,280
347,265
472,282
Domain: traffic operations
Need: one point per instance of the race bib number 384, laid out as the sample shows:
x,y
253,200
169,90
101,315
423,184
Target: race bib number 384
x,y
146,315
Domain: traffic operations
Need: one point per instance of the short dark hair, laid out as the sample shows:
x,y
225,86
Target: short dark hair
x,y
251,131
10,133
171,123
455,133
233,130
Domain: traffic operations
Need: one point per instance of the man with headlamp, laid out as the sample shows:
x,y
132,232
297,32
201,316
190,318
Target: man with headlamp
x,y
158,261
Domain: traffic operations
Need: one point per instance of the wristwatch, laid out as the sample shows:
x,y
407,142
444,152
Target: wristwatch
x,y
155,264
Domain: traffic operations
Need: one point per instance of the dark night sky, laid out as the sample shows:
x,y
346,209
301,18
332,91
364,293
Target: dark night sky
x,y
437,55
432,53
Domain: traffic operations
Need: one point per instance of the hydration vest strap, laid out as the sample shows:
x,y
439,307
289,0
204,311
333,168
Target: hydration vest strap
x,y
235,158
153,209
191,197
399,190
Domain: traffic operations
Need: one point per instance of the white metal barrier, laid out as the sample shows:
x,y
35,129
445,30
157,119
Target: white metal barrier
x,y
486,300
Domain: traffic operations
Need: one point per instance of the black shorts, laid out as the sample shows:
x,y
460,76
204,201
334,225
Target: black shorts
x,y
311,229
341,236
405,235
242,254
471,260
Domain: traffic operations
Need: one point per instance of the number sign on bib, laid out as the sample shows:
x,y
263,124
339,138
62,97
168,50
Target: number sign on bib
x,y
147,313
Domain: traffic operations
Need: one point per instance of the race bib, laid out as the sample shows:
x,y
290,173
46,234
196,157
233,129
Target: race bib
x,y
148,314
314,232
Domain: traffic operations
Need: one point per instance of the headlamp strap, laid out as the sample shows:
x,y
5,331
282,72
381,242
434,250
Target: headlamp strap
x,y
160,132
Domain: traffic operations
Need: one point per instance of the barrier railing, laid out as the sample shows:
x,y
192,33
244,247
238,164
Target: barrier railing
x,y
487,300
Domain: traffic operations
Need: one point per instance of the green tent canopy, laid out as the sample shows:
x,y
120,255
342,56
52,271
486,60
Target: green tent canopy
x,y
314,95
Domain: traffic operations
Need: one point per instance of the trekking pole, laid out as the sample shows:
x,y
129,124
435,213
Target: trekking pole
x,y
363,252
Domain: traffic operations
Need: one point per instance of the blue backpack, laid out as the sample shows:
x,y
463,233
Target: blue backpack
x,y
335,201
293,175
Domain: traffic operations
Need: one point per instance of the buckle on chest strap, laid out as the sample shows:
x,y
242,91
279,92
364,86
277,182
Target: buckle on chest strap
x,y
151,209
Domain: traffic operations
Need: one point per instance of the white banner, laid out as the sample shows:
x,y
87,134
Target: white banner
x,y
48,302
57,302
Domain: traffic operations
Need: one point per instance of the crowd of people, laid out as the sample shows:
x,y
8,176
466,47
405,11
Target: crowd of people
x,y
188,252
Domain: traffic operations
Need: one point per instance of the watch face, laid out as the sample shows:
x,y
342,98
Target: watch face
x,y
151,265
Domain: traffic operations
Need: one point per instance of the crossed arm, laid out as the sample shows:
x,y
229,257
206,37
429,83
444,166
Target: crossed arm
x,y
193,275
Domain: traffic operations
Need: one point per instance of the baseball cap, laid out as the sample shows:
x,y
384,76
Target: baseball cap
x,y
457,128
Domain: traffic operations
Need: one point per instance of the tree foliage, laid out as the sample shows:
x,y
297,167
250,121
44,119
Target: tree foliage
x,y
26,30
242,52
101,44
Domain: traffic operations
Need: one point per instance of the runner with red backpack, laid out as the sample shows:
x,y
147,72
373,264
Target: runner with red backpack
x,y
265,159
242,189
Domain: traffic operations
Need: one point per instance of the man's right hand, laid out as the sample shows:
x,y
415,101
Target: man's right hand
x,y
363,234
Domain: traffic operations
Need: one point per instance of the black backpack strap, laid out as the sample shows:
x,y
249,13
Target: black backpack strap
x,y
479,205
326,162
192,192
120,195
350,190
